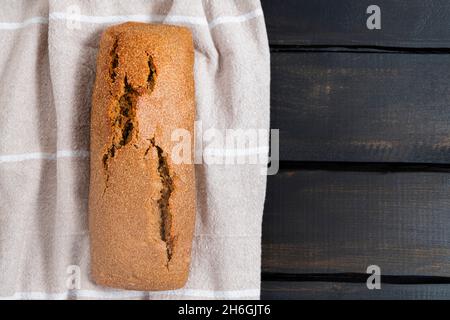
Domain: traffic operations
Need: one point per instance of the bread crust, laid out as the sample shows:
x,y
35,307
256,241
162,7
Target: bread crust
x,y
141,202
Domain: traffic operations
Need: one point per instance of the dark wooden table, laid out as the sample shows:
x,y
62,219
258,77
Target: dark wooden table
x,y
364,119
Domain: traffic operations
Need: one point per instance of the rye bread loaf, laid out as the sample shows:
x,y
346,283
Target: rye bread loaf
x,y
141,203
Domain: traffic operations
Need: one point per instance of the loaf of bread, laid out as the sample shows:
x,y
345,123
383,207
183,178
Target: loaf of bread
x,y
141,201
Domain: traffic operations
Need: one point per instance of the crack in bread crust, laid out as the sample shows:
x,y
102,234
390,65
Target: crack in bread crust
x,y
125,129
122,113
163,201
123,123
114,61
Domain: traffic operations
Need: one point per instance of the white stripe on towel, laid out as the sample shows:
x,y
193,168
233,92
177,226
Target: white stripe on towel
x,y
23,24
44,156
236,19
85,154
231,294
191,20
133,17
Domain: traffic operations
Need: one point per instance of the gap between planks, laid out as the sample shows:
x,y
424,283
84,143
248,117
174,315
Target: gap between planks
x,y
276,48
387,167
351,278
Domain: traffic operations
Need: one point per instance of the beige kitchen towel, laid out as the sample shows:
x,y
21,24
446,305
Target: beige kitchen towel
x,y
47,68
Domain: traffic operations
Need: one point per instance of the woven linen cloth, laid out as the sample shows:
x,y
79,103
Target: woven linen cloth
x,y
47,68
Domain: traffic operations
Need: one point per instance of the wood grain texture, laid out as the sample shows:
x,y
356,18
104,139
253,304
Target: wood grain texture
x,y
350,291
405,23
362,107
342,93
333,222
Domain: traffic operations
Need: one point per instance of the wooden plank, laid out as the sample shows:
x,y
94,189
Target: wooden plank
x,y
334,222
404,23
351,291
350,106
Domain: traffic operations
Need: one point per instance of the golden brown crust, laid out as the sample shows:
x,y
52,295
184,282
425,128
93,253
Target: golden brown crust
x,y
141,203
